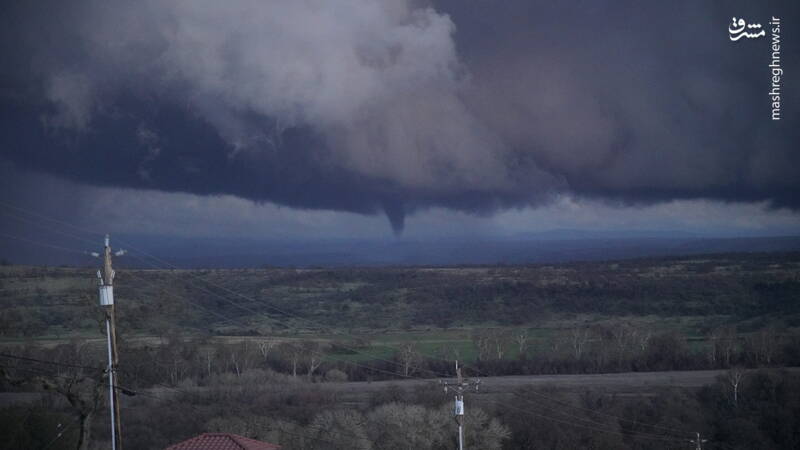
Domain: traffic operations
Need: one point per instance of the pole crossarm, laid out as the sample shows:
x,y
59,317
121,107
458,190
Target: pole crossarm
x,y
698,442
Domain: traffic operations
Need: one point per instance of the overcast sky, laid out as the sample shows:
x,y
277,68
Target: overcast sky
x,y
397,119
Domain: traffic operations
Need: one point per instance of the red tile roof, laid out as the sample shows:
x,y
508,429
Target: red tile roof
x,y
222,441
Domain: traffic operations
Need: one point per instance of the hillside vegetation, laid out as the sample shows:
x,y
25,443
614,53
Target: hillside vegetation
x,y
750,289
197,345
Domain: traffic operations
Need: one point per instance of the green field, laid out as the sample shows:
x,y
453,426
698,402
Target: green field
x,y
370,313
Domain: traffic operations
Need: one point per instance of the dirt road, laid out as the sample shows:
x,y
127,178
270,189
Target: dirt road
x,y
627,383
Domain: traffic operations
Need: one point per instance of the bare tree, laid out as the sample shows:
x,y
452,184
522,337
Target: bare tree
x,y
521,338
723,343
641,338
482,341
579,338
498,340
621,336
449,352
713,355
404,426
555,346
408,356
263,428
241,356
291,351
762,345
312,351
343,429
265,346
82,390
735,377
209,359
171,358
235,360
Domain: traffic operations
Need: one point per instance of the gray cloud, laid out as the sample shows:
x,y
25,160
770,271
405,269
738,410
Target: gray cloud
x,y
368,106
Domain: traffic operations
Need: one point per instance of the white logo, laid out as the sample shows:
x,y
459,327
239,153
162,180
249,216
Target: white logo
x,y
738,27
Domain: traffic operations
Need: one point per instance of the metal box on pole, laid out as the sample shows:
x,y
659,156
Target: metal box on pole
x,y
106,295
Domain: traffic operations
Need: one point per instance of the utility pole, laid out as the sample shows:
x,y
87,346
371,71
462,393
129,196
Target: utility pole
x,y
698,442
459,386
106,281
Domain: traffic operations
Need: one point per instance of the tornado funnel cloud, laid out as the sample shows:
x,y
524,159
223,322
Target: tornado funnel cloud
x,y
394,107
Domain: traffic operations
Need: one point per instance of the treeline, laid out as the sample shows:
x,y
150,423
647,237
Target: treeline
x,y
407,298
763,414
259,404
171,359
498,351
625,348
56,301
742,410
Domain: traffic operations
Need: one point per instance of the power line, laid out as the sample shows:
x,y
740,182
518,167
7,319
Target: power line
x,y
143,280
503,405
61,433
257,301
53,363
362,366
226,289
44,217
632,433
175,267
129,391
601,430
38,224
428,356
253,300
522,397
30,241
321,355
190,405
397,374
258,313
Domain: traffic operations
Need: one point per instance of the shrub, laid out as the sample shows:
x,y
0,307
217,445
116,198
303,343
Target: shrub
x,y
335,375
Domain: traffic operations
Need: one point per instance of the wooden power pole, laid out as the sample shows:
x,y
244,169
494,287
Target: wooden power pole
x,y
106,280
459,386
698,443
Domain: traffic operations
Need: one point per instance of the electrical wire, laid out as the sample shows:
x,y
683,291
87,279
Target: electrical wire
x,y
253,300
408,376
261,302
321,355
466,366
316,353
578,425
621,419
30,241
130,391
38,224
224,288
589,424
61,433
52,363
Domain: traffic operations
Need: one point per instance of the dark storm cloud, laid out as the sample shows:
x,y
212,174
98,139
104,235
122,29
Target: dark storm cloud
x,y
370,106
637,102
